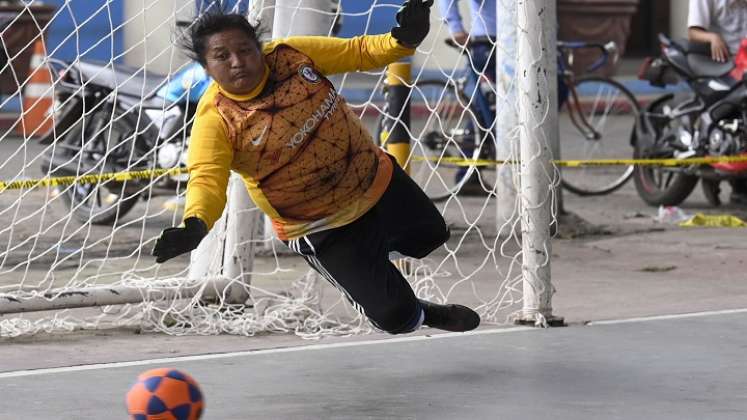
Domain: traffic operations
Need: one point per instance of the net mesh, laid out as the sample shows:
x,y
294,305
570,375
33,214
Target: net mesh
x,y
90,241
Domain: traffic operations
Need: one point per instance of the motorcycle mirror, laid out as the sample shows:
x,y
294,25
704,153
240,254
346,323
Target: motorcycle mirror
x,y
664,40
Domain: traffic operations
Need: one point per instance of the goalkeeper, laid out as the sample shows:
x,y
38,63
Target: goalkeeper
x,y
333,196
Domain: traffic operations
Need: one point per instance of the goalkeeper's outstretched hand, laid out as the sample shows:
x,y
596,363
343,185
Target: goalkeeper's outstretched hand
x,y
178,240
414,20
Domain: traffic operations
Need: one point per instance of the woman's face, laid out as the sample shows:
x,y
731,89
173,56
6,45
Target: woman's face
x,y
234,61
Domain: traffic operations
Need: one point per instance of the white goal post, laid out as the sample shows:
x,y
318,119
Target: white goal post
x,y
538,124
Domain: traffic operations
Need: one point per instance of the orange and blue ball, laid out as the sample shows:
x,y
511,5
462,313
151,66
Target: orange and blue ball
x,y
165,394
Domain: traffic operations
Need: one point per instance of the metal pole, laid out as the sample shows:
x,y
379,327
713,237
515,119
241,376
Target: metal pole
x,y
538,120
395,135
262,11
206,261
228,250
507,177
397,138
297,17
112,295
302,17
241,227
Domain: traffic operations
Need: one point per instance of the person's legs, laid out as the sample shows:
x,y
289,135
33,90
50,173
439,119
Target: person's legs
x,y
563,92
354,258
412,224
482,62
415,227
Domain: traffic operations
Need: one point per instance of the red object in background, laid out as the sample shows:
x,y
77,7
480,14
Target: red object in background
x,y
740,60
732,167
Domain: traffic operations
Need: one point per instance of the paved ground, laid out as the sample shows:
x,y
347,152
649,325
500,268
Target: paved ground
x,y
689,367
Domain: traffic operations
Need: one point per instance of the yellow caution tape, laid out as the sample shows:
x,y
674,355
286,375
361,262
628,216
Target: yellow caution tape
x,y
150,173
594,162
88,179
720,220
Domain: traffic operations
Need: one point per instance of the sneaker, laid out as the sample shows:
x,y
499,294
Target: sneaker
x,y
450,317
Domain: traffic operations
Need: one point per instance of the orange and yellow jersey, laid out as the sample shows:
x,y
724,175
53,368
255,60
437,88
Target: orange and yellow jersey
x,y
305,157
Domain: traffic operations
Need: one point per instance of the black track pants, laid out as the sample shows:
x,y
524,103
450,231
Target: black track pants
x,y
355,257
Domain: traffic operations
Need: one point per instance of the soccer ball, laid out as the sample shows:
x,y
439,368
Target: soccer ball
x,y
165,394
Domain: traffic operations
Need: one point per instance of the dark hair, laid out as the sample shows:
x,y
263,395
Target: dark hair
x,y
196,34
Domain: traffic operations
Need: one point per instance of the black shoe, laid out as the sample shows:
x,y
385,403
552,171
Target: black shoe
x,y
449,317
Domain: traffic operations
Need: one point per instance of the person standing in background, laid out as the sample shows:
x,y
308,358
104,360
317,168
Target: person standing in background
x,y
720,23
483,15
482,55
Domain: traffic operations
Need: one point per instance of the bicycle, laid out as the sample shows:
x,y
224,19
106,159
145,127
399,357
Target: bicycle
x,y
456,141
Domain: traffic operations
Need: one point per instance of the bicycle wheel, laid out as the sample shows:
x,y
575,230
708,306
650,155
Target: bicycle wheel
x,y
445,137
596,123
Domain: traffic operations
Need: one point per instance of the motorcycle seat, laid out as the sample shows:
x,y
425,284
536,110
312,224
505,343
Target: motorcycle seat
x,y
126,80
687,47
697,59
703,65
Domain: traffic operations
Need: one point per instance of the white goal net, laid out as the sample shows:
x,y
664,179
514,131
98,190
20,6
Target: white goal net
x,y
82,205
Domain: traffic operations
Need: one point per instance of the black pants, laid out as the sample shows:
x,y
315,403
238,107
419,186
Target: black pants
x,y
355,257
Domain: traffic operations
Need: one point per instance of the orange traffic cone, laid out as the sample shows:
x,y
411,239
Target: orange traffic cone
x,y
37,96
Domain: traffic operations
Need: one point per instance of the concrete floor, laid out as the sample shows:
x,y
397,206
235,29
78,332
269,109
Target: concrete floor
x,y
686,367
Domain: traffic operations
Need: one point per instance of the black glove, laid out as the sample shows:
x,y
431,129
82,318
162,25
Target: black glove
x,y
177,241
414,22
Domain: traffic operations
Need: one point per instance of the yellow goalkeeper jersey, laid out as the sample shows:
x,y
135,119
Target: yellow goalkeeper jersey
x,y
304,155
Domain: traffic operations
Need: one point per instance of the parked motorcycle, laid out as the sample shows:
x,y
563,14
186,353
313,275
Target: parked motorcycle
x,y
709,120
115,118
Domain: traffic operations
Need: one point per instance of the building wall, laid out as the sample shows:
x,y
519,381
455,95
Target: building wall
x,y
86,29
678,18
149,32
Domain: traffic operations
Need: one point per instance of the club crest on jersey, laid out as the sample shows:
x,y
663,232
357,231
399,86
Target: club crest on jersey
x,y
309,74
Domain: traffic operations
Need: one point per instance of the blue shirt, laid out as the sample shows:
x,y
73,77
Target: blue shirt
x,y
482,12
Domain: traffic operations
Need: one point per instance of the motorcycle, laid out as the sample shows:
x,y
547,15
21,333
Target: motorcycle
x,y
707,121
114,118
